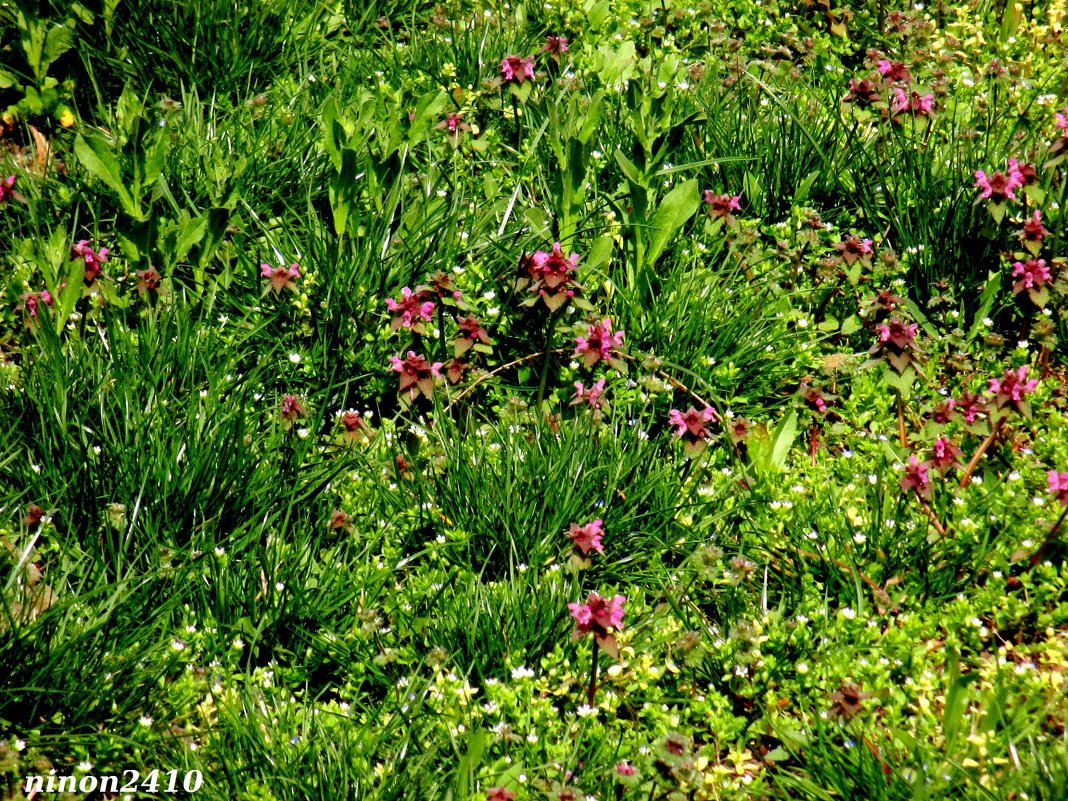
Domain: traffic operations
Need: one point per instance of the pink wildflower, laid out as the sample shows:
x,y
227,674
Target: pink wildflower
x,y
1030,274
893,70
815,398
355,426
588,537
916,478
897,333
690,425
1058,483
944,411
340,521
590,395
625,769
412,310
553,269
997,187
1011,389
912,102
280,277
416,374
601,616
454,126
1023,172
600,343
944,455
148,280
499,794
30,302
292,409
455,369
553,275
555,46
970,406
721,206
1062,121
853,248
93,260
469,331
1033,229
516,69
863,92
7,188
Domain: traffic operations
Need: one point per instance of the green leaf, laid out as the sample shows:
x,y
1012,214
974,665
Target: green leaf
x,y
190,232
630,171
98,159
785,434
59,40
537,219
592,118
600,252
69,294
851,325
804,189
677,207
597,13
986,303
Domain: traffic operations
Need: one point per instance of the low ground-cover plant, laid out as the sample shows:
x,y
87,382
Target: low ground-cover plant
x,y
619,400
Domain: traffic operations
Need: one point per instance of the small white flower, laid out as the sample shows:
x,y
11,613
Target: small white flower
x,y
847,612
586,711
295,358
145,721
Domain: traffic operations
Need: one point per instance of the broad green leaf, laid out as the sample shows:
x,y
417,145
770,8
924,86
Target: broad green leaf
x,y
190,232
785,434
597,13
674,211
98,159
599,254
538,220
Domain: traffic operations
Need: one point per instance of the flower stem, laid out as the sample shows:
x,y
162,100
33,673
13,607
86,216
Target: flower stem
x,y
495,371
1036,557
442,341
515,119
592,690
931,516
967,477
547,350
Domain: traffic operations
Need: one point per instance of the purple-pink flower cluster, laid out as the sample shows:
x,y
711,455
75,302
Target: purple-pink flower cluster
x,y
600,344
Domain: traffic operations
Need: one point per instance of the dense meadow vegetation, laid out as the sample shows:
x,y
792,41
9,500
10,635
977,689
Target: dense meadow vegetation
x,y
612,399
